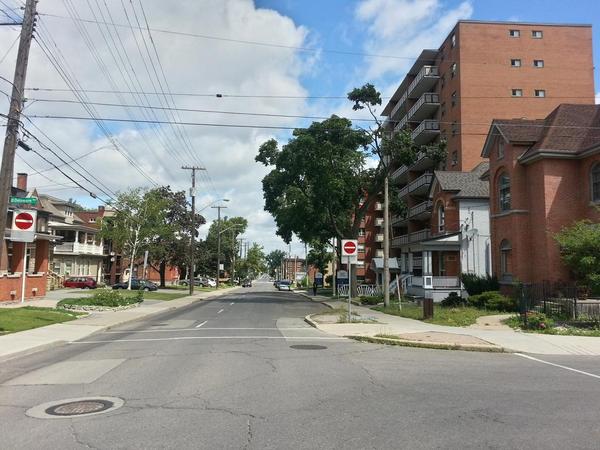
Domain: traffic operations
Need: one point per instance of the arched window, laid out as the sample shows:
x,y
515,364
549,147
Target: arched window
x,y
504,192
505,249
441,216
595,182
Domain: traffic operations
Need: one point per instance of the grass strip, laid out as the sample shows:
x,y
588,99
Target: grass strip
x,y
13,320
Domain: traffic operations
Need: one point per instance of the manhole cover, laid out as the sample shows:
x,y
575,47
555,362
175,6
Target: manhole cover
x,y
75,407
79,408
308,347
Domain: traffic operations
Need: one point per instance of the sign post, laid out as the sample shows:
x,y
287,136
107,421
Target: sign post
x,y
350,253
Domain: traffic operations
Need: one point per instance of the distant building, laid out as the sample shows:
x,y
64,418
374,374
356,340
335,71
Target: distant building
x,y
544,175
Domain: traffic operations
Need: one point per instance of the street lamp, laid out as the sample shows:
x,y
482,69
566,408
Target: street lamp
x,y
233,243
219,208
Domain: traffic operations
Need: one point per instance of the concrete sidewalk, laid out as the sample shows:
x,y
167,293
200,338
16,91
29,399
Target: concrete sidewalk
x,y
422,333
31,341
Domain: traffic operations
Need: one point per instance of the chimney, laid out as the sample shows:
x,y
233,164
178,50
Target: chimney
x,y
22,181
101,209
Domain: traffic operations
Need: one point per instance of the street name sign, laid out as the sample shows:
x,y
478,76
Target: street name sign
x,y
23,226
23,200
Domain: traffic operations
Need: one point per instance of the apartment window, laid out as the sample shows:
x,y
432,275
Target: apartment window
x,y
540,93
504,192
595,182
443,109
361,231
505,250
453,70
453,40
454,158
500,150
539,63
361,248
514,33
537,34
441,218
515,62
517,92
454,128
454,99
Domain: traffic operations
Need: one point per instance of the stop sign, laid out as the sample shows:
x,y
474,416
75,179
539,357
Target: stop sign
x,y
349,248
24,221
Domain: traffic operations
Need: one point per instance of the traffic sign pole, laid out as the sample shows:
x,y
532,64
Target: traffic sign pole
x,y
349,290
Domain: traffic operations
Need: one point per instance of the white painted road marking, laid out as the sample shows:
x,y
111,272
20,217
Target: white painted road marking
x,y
232,303
220,311
198,326
169,330
558,365
182,338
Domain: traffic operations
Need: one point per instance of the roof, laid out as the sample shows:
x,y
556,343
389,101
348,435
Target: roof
x,y
568,131
465,184
533,24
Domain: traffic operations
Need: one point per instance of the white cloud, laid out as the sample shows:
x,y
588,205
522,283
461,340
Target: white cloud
x,y
191,65
597,98
404,28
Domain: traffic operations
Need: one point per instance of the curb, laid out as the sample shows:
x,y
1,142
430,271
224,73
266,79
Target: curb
x,y
431,345
312,299
58,343
311,322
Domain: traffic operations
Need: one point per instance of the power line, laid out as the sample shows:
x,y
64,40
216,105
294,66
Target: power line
x,y
255,43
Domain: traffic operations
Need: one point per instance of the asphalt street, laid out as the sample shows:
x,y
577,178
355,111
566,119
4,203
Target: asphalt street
x,y
233,373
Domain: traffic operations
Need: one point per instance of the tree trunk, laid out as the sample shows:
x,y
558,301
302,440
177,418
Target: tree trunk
x,y
162,268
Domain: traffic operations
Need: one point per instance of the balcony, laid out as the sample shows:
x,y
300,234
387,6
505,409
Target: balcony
x,y
420,211
398,220
401,124
379,237
399,175
378,206
404,191
425,107
400,240
76,248
419,236
379,253
379,222
427,131
425,80
398,107
420,186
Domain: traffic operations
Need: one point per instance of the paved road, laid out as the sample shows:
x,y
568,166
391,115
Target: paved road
x,y
223,374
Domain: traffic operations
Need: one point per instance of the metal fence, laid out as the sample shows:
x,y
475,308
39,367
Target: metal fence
x,y
366,290
561,301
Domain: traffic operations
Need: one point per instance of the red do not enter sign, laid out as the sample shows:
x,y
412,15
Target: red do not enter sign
x,y
24,221
349,248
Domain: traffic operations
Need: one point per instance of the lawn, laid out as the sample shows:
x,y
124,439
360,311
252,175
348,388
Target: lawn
x,y
453,317
166,296
20,319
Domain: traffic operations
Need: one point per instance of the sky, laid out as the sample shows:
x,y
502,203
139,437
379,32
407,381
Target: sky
x,y
316,48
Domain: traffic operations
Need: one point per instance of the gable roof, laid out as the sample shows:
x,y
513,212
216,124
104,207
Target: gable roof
x,y
465,184
523,131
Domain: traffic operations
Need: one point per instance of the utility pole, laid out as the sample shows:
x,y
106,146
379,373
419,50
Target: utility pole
x,y
218,208
386,243
14,115
192,226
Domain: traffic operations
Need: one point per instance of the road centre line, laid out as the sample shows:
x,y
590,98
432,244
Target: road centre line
x,y
558,365
232,303
182,338
198,326
220,311
166,330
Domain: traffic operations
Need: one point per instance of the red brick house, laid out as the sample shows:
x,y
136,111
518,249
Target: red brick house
x,y
16,255
544,175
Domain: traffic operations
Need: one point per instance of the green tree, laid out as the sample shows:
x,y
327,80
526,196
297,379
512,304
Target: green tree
x,y
274,261
323,181
320,256
255,262
170,246
139,215
580,250
230,228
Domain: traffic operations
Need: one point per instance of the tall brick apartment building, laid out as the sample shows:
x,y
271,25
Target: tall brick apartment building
x,y
482,70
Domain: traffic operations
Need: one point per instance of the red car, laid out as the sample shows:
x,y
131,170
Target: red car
x,y
80,282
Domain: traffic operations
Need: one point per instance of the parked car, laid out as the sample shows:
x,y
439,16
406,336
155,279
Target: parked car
x,y
247,283
284,285
197,282
209,282
80,282
137,285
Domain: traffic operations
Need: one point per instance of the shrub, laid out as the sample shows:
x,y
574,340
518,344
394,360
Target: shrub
x,y
475,285
453,300
538,321
493,300
371,299
105,297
